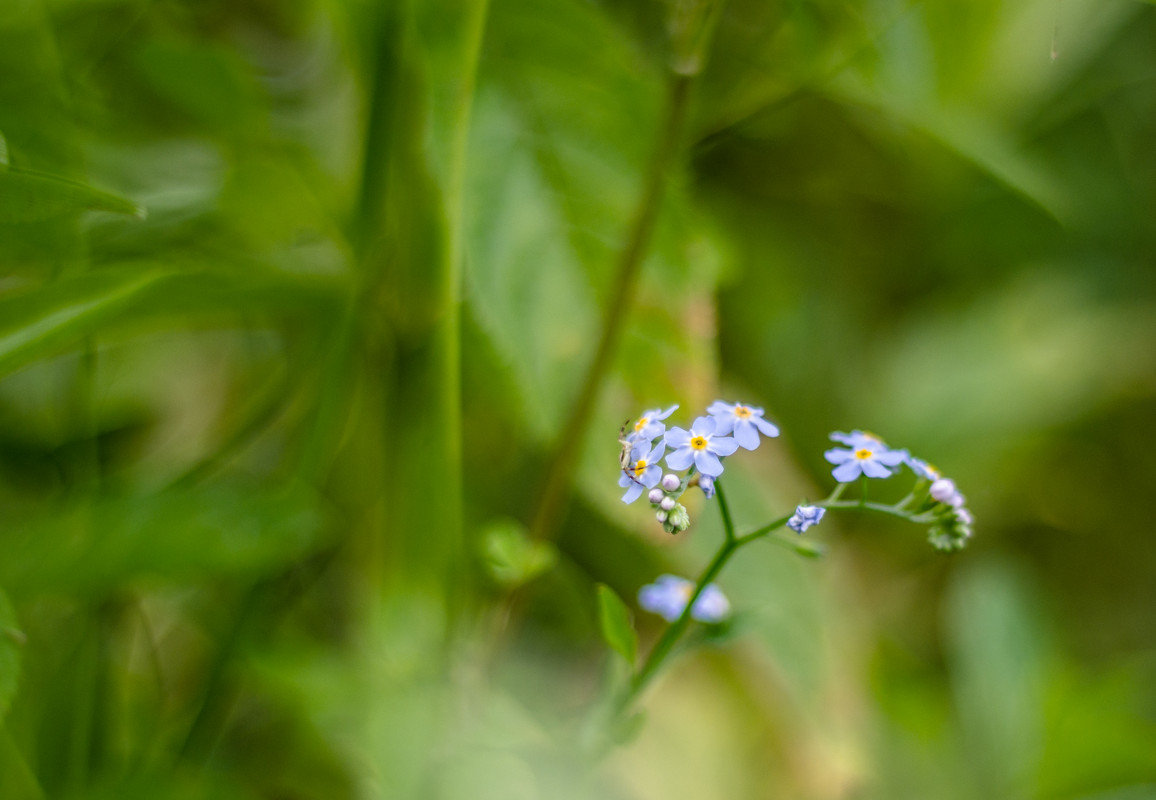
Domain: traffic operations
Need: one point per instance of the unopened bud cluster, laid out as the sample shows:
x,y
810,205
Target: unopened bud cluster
x,y
952,526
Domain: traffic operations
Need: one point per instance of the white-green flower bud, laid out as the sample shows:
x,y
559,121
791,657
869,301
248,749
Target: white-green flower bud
x,y
943,490
679,518
661,516
667,503
670,482
656,496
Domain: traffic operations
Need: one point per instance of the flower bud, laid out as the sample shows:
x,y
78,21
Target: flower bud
x,y
661,516
656,496
679,518
670,482
943,490
667,503
706,483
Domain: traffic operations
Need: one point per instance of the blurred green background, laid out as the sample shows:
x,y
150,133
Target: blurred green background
x,y
311,309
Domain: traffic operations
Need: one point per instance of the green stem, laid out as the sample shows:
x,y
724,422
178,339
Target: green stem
x,y
566,449
725,511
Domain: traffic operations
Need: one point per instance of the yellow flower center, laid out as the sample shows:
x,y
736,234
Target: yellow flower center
x,y
698,443
639,467
864,453
686,590
742,412
641,423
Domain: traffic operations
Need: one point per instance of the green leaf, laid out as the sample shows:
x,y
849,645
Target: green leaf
x,y
617,629
45,321
207,532
11,642
29,196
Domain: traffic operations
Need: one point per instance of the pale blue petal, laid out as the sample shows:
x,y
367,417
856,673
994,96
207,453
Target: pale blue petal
x,y
722,445
847,472
703,426
633,493
891,458
838,455
707,463
746,435
681,458
711,606
676,438
767,428
724,423
655,455
664,414
873,469
720,409
652,475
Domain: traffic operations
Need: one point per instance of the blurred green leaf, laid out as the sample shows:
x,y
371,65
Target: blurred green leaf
x,y
11,644
28,196
42,322
511,557
617,629
202,533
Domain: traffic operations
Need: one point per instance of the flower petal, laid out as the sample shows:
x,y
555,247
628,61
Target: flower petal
x,y
707,463
746,435
846,472
681,458
837,455
722,445
873,469
676,438
703,426
633,493
720,408
765,427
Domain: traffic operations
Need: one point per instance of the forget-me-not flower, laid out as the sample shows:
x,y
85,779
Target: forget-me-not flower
x,y
650,425
869,457
922,468
746,423
644,471
669,594
804,517
856,439
700,446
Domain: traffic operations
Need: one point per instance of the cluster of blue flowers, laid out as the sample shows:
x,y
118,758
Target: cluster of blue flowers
x,y
698,452
868,455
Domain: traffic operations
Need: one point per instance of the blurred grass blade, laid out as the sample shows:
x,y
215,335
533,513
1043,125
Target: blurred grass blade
x,y
617,629
28,196
39,322
42,322
11,642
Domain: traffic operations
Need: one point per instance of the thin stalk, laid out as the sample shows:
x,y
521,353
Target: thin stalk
x,y
566,449
725,511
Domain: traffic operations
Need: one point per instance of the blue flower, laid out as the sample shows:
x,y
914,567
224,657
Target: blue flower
x,y
668,596
922,468
869,457
706,483
650,426
856,439
805,517
700,446
746,422
644,471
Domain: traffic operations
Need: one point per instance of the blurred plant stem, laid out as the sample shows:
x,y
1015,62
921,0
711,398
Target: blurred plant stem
x,y
566,450
409,237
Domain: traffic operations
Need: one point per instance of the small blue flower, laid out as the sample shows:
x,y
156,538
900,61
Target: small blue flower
x,y
700,446
644,472
805,517
706,483
650,425
922,468
746,422
870,457
668,596
856,439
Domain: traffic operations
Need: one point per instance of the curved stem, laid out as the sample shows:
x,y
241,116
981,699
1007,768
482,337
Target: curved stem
x,y
625,282
724,509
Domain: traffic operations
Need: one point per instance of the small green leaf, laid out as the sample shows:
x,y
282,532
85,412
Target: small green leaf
x,y
28,196
617,629
511,557
11,640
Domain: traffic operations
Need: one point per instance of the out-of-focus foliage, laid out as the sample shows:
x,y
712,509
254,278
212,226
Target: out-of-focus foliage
x,y
255,256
